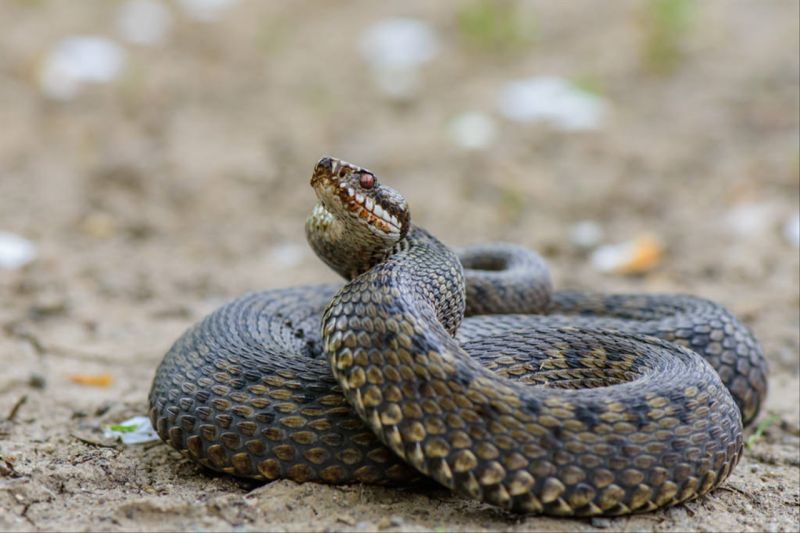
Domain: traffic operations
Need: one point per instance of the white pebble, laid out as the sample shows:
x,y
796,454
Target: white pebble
x,y
631,257
791,230
78,60
206,10
395,48
144,22
472,130
750,219
398,43
610,257
586,234
15,251
553,100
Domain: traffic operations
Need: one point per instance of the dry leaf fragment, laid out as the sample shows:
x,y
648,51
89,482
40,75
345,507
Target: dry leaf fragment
x,y
92,380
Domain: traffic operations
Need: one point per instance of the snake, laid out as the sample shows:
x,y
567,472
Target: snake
x,y
462,366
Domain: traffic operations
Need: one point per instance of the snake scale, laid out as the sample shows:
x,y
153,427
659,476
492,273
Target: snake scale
x,y
539,401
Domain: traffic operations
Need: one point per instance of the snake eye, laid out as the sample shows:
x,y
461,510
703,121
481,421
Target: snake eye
x,y
367,181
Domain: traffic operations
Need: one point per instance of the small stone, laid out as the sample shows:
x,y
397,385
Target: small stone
x,y
390,521
586,234
395,49
601,523
37,381
632,257
399,43
791,230
472,130
48,447
48,305
553,100
346,519
78,60
751,220
15,251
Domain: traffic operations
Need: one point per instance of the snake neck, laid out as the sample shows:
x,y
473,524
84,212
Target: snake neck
x,y
419,276
346,248
429,270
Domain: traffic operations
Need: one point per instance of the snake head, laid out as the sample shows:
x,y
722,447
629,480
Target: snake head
x,y
354,196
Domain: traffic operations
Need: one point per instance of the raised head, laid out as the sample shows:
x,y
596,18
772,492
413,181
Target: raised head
x,y
354,195
357,220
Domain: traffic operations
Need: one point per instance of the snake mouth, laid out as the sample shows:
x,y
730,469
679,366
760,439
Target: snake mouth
x,y
368,209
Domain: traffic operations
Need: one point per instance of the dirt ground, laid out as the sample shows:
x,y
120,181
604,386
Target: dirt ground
x,y
183,183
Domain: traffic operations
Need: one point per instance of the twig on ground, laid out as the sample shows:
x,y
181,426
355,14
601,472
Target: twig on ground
x,y
15,409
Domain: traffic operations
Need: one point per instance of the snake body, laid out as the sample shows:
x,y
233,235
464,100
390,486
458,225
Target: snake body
x,y
562,403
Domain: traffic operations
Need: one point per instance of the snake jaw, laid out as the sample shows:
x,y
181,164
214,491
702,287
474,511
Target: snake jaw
x,y
352,192
365,207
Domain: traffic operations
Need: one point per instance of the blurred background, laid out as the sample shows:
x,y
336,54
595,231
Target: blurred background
x,y
155,158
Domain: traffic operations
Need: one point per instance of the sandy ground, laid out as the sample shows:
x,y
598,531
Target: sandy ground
x,y
183,183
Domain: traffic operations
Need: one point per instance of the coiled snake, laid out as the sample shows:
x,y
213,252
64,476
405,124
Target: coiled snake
x,y
564,404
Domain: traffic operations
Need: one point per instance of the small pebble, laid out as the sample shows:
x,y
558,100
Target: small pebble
x,y
791,230
472,130
554,100
48,447
79,60
346,519
632,257
390,521
48,305
15,252
750,219
398,43
601,523
37,381
586,234
395,49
